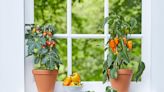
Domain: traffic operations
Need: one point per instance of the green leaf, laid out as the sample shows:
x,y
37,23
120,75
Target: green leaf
x,y
105,20
113,73
133,22
44,60
124,52
44,51
141,68
43,41
110,59
30,49
110,89
105,77
36,60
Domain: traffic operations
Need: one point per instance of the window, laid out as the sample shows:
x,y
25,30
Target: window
x,y
71,35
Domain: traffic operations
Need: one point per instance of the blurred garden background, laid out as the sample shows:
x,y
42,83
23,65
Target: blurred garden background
x,y
87,18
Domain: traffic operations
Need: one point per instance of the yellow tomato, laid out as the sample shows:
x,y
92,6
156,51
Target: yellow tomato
x,y
67,81
75,77
74,84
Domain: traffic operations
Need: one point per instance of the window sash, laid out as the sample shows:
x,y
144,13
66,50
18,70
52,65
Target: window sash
x,y
145,36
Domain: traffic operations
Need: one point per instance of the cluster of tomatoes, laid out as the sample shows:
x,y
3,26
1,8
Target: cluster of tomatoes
x,y
48,34
49,43
113,43
73,80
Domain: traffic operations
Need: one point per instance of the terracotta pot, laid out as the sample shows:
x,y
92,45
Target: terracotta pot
x,y
45,80
122,83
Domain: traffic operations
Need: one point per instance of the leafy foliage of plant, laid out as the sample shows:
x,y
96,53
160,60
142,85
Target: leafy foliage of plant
x,y
42,45
110,89
119,47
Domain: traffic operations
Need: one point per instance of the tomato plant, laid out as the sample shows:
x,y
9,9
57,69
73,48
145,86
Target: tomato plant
x,y
119,46
42,45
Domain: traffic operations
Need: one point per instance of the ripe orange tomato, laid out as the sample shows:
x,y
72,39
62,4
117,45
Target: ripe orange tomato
x,y
48,43
44,33
130,44
53,43
67,81
116,40
112,44
124,39
49,34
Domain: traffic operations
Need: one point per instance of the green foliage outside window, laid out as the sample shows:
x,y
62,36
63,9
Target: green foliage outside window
x,y
87,17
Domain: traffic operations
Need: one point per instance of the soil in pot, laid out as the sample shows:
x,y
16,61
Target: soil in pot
x,y
122,83
45,80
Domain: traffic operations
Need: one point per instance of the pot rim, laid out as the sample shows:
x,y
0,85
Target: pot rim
x,y
124,71
44,72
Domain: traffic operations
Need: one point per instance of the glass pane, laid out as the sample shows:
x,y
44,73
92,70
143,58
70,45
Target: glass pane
x,y
62,48
51,12
136,51
87,16
88,58
128,9
135,54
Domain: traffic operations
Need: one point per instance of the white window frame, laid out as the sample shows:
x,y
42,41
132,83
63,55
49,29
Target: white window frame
x,y
144,85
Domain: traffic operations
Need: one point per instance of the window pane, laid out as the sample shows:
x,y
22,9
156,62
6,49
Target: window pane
x,y
87,15
51,12
128,8
135,54
88,58
62,48
136,51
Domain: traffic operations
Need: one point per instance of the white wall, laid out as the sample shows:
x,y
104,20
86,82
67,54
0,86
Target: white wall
x,y
11,46
158,45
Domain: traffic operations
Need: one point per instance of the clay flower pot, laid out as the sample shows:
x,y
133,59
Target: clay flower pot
x,y
45,80
122,83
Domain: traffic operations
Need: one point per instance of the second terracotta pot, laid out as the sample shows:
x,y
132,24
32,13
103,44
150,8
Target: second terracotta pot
x,y
45,80
122,83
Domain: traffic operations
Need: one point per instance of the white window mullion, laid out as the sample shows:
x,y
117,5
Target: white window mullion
x,y
106,12
29,11
69,39
94,36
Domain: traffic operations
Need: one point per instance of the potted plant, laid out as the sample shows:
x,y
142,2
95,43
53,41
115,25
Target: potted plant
x,y
118,68
42,46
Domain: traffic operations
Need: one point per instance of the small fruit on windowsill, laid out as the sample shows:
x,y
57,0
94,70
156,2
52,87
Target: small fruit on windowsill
x,y
73,80
75,84
67,81
75,77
